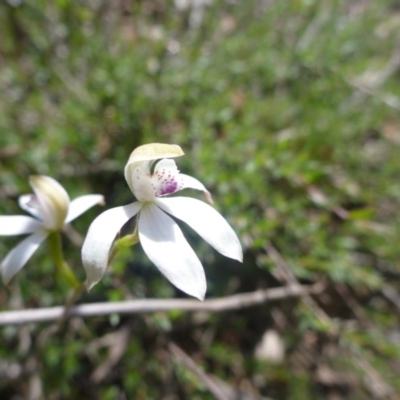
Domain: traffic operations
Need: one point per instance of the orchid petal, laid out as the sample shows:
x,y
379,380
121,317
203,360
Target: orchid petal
x,y
20,254
165,245
148,152
100,237
140,182
207,222
81,204
28,203
188,182
165,179
18,225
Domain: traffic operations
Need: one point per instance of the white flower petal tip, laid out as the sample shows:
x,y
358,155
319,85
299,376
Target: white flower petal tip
x,y
19,255
199,295
100,237
163,242
207,222
208,197
188,182
83,203
91,282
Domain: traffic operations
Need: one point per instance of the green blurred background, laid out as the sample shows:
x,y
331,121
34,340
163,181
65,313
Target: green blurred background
x,y
288,111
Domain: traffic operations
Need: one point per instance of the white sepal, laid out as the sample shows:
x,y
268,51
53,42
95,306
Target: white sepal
x,y
18,225
100,237
163,242
207,222
81,204
20,254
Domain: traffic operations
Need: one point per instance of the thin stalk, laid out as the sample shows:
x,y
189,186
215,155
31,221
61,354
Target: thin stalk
x,y
125,241
63,269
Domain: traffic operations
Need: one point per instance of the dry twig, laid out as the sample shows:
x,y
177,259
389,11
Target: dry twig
x,y
220,389
234,302
180,355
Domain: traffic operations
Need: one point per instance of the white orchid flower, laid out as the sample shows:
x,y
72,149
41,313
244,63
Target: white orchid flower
x,y
51,209
160,236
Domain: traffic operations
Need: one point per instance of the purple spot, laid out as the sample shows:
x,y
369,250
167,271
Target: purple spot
x,y
169,188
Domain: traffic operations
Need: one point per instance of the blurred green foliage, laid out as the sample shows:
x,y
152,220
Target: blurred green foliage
x,y
288,111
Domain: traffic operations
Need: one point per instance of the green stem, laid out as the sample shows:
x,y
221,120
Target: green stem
x,y
125,241
54,240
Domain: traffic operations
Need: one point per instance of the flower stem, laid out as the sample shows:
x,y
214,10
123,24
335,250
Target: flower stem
x,y
127,241
54,240
122,243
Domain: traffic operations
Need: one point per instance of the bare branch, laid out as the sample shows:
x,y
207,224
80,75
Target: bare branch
x,y
234,302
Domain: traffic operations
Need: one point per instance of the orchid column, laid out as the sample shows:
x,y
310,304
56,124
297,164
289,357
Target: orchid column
x,y
160,236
